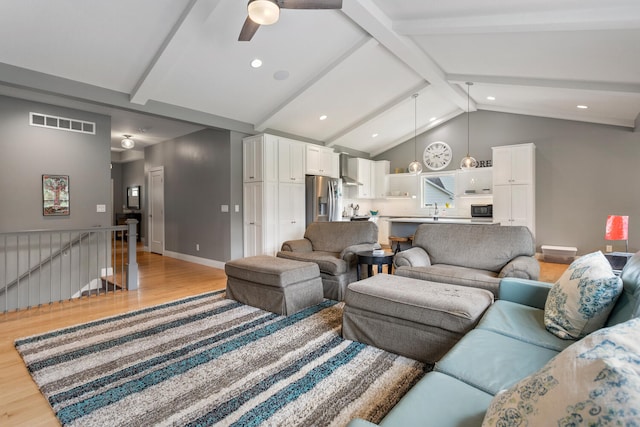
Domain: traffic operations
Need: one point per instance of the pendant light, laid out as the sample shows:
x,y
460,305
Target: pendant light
x,y
468,162
415,167
127,143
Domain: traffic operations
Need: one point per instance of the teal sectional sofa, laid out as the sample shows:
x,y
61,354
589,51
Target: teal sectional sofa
x,y
509,343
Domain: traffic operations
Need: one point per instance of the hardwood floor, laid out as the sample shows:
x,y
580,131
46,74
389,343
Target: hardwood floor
x,y
162,279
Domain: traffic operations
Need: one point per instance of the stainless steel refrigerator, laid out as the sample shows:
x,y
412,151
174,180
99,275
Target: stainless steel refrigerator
x,y
323,199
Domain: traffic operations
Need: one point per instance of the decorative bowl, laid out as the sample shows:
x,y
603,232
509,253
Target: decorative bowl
x,y
373,212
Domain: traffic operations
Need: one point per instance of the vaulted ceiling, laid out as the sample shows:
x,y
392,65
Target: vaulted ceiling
x,y
357,66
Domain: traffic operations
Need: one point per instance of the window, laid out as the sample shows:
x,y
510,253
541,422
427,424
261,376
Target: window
x,y
438,188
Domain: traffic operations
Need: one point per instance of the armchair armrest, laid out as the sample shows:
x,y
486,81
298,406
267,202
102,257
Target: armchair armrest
x,y
349,253
523,267
299,245
525,292
412,257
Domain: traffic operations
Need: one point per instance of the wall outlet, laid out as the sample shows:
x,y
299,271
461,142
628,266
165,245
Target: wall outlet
x,y
608,248
198,247
237,208
224,208
101,208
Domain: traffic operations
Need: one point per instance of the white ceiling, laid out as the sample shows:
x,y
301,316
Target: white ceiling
x,y
359,66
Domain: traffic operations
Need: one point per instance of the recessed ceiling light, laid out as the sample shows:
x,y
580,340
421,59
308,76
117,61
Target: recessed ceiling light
x,y
582,107
256,63
491,98
323,117
374,135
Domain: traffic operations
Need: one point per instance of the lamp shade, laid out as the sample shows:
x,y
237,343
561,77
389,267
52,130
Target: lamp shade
x,y
617,228
263,12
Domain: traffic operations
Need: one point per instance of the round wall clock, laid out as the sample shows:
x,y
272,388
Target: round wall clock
x,y
437,155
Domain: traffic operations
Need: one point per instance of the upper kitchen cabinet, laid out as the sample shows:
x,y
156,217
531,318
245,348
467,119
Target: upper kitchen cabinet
x,y
260,158
514,190
513,164
291,157
379,172
321,161
371,175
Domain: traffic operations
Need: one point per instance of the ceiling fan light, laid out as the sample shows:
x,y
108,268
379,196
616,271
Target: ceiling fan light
x,y
263,12
127,143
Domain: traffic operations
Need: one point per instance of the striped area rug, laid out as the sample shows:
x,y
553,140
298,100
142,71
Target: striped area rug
x,y
207,360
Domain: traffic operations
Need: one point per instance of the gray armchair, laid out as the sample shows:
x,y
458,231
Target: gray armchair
x,y
333,246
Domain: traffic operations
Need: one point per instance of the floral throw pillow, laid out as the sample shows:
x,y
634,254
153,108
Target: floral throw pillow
x,y
581,300
593,382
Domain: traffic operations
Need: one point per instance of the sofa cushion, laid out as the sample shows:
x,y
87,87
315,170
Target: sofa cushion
x,y
521,322
335,236
595,381
491,361
581,300
436,401
328,262
479,246
454,275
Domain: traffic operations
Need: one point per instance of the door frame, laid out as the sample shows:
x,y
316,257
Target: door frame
x,y
150,211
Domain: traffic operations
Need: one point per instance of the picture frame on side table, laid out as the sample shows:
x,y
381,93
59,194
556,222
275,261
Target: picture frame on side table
x,y
55,195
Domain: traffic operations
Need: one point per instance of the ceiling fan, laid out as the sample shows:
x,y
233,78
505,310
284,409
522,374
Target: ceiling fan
x,y
267,12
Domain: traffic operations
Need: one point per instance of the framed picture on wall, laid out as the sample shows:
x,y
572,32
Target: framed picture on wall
x,y
55,195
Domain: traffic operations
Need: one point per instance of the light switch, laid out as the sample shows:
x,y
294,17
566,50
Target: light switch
x,y
237,208
101,208
224,208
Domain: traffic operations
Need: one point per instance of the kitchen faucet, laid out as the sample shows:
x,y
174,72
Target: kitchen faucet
x,y
435,211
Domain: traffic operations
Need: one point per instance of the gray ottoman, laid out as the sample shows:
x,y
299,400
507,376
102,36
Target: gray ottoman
x,y
415,318
282,286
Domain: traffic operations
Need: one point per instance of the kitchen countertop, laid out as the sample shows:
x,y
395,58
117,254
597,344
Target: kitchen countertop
x,y
442,220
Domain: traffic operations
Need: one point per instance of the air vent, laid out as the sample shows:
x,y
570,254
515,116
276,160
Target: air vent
x,y
61,123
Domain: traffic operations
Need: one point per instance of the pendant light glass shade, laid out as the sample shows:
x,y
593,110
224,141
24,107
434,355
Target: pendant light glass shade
x,y
127,143
415,167
468,162
263,12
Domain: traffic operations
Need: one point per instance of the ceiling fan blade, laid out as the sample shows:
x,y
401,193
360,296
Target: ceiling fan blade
x,y
248,30
310,4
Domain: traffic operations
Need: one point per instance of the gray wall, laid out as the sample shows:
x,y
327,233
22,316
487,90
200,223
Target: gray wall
x,y
584,171
27,152
198,170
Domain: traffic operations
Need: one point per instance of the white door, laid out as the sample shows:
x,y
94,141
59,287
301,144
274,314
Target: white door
x,y
156,211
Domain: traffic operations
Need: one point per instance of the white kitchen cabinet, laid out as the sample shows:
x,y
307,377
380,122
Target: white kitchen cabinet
x,y
319,160
335,165
260,218
379,173
291,213
360,169
514,185
514,164
383,231
291,160
260,158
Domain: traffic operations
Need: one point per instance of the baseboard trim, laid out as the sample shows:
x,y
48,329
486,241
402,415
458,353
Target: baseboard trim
x,y
195,259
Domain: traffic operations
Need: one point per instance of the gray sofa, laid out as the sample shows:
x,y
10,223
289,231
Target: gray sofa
x,y
333,246
510,343
477,255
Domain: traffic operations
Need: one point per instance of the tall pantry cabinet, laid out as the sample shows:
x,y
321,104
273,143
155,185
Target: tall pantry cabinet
x,y
273,193
514,185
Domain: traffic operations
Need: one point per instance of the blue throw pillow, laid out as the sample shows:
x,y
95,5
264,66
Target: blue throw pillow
x,y
582,299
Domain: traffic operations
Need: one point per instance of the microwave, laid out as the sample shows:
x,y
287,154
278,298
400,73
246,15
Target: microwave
x,y
481,211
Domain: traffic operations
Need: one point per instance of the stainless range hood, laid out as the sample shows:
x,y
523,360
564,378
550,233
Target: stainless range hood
x,y
344,171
